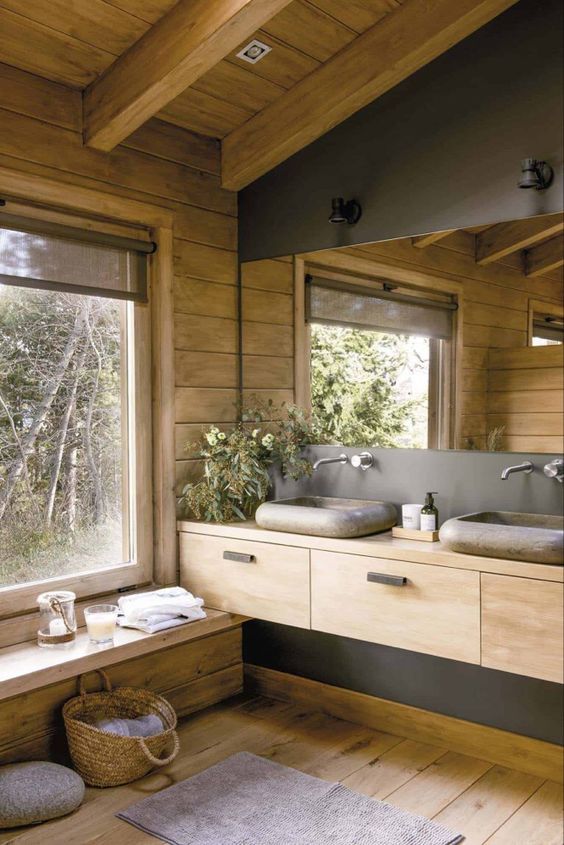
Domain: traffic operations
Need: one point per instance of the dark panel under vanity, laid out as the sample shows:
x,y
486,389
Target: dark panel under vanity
x,y
499,699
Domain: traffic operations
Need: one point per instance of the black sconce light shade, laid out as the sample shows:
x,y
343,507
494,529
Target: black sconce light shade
x,y
535,174
344,212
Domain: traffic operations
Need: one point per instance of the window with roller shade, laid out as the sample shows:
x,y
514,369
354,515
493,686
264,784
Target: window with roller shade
x,y
380,363
70,372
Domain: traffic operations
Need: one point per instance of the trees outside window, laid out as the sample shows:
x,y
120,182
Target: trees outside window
x,y
63,456
369,388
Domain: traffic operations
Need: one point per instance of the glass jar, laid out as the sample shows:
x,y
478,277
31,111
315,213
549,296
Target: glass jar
x,y
57,619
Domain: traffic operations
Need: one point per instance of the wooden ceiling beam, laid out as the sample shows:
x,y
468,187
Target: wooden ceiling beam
x,y
421,241
193,37
394,48
544,257
505,238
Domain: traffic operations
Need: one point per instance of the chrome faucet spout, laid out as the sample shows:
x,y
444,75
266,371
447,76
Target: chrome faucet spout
x,y
526,467
340,459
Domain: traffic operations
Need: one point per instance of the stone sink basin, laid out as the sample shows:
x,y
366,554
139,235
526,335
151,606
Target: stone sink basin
x,y
327,517
533,537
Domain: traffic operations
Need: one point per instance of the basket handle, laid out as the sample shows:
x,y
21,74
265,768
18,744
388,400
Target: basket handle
x,y
105,680
157,761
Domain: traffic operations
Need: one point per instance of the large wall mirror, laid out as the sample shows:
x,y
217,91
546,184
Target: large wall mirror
x,y
448,340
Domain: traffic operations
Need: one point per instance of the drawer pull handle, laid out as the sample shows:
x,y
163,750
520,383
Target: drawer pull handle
x,y
239,557
382,578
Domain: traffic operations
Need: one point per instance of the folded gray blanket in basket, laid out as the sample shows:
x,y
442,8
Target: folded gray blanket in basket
x,y
148,725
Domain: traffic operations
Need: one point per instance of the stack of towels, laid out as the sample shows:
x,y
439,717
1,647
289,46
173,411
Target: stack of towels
x,y
159,610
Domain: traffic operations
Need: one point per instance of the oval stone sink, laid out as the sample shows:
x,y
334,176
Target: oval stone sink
x,y
533,537
327,517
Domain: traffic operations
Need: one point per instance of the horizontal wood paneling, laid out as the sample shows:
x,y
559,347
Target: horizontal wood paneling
x,y
25,93
199,404
267,372
187,674
267,339
262,306
25,138
526,397
205,334
268,274
207,299
205,369
205,262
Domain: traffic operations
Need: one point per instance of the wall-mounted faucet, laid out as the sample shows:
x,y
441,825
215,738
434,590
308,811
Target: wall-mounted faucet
x,y
555,469
340,459
526,467
363,461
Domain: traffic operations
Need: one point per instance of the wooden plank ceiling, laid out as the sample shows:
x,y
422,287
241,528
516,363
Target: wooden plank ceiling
x,y
96,42
534,246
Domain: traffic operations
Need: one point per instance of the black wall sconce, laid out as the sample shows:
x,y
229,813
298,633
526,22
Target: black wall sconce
x,y
344,212
535,174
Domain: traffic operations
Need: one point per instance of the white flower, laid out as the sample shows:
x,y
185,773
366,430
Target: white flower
x,y
268,441
255,432
214,430
221,435
211,438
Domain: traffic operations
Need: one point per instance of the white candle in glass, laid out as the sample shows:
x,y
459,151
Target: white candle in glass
x,y
101,622
57,628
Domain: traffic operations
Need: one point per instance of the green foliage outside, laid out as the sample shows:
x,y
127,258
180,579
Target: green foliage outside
x,y
361,384
60,434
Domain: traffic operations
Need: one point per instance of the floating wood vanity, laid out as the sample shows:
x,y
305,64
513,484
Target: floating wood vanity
x,y
501,614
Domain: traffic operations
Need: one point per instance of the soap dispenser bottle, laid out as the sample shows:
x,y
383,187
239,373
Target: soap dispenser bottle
x,y
429,514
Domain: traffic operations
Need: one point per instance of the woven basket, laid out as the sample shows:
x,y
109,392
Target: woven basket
x,y
107,759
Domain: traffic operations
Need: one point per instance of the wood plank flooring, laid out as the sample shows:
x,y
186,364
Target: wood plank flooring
x,y
490,804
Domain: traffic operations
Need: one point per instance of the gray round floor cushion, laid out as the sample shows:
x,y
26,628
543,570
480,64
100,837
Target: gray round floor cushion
x,y
36,792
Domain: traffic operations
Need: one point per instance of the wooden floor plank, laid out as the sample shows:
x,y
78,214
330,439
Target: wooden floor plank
x,y
387,773
346,756
464,793
537,822
485,806
439,784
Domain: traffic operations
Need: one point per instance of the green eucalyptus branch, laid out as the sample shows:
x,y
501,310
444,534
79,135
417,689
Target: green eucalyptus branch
x,y
236,478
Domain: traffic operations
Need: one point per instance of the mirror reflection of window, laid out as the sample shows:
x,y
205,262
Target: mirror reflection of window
x,y
377,367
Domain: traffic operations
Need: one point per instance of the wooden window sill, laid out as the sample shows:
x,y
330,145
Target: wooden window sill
x,y
26,667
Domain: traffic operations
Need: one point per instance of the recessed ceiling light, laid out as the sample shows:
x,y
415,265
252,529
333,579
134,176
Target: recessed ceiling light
x,y
254,51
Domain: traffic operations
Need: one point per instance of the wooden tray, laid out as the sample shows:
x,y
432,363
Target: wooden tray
x,y
413,534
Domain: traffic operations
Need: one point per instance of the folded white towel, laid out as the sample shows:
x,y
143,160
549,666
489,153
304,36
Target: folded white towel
x,y
173,601
156,622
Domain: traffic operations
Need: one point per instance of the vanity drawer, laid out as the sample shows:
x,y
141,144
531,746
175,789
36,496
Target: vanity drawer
x,y
436,610
268,581
522,626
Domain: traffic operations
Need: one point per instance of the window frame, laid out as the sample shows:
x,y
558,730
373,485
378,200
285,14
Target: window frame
x,y
444,392
541,306
153,391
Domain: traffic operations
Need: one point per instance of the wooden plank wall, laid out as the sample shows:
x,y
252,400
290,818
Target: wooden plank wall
x,y
495,310
267,330
40,124
526,396
191,676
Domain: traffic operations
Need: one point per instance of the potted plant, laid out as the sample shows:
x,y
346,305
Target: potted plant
x,y
237,460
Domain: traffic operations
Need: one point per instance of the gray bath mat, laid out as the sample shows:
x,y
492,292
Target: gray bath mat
x,y
247,800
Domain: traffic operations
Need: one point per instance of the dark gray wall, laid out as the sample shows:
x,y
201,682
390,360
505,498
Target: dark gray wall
x,y
466,481
510,702
441,150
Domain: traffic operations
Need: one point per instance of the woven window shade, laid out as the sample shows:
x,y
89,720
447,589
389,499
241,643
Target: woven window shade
x,y
76,262
336,303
